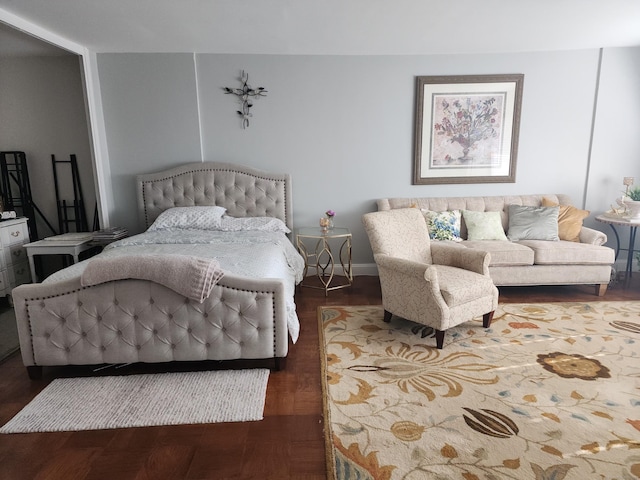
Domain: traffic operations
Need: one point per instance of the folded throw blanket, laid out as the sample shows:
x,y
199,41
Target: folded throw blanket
x,y
193,277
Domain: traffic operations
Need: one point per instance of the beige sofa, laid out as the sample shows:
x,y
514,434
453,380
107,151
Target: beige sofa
x,y
527,262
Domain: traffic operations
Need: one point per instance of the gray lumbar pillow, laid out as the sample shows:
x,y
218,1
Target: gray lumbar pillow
x,y
533,223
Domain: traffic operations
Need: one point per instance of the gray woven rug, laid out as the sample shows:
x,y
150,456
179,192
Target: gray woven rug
x,y
97,403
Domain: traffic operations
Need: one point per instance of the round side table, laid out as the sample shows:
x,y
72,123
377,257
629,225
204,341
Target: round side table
x,y
322,250
633,225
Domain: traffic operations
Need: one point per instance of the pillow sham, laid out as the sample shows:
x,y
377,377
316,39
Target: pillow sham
x,y
263,224
483,225
199,218
570,220
533,223
443,225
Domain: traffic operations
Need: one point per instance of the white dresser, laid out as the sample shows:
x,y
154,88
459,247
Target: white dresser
x,y
14,265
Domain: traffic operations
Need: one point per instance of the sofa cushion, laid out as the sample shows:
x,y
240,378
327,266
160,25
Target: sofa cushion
x,y
443,225
503,253
533,223
483,225
568,253
570,220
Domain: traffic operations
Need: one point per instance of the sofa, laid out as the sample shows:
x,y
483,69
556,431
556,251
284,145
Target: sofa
x,y
521,254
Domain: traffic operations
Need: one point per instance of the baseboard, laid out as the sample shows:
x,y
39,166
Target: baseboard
x,y
359,269
621,265
370,269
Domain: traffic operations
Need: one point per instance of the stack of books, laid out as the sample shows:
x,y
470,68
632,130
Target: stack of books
x,y
71,238
109,234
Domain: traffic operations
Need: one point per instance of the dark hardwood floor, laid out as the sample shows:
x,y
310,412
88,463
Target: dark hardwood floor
x,y
287,444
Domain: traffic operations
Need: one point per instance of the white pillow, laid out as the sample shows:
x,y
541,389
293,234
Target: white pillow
x,y
264,224
199,218
483,225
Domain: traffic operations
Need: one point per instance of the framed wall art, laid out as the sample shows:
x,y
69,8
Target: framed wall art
x,y
466,128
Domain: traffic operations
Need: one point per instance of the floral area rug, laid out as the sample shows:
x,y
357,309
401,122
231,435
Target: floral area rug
x,y
550,391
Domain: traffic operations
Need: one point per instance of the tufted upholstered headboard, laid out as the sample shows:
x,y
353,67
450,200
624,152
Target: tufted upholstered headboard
x,y
242,190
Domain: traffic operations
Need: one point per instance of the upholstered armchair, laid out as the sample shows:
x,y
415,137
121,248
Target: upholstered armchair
x,y
432,283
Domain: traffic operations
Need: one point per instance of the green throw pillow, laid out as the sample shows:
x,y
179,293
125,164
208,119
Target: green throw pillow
x,y
443,225
533,223
483,225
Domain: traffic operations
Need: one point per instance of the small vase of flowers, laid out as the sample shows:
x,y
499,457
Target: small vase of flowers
x,y
330,214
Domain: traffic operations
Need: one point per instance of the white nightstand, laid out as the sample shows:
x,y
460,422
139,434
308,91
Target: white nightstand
x,y
56,247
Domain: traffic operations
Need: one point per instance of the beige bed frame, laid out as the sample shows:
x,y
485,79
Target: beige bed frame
x,y
130,321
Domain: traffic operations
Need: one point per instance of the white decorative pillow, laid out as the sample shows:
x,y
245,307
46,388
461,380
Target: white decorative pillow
x,y
533,223
199,218
443,225
263,224
483,225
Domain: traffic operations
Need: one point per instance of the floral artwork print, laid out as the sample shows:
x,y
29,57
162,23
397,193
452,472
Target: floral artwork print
x,y
467,130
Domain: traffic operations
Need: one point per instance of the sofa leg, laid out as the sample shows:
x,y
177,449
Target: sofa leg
x,y
601,288
387,316
439,339
486,319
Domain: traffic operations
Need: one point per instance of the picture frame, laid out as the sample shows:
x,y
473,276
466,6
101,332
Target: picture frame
x,y
467,128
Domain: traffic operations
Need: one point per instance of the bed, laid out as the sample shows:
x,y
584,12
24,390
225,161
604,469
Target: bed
x,y
248,313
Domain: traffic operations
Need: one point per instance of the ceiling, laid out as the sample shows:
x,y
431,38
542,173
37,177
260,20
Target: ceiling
x,y
332,27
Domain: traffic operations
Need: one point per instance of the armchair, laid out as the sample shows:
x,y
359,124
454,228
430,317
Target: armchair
x,y
431,283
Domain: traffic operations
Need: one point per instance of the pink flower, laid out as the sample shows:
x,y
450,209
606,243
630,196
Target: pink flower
x,y
330,213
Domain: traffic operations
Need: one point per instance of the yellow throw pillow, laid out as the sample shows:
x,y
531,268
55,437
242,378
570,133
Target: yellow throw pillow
x,y
569,220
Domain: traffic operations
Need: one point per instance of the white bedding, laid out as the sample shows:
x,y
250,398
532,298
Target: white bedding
x,y
256,254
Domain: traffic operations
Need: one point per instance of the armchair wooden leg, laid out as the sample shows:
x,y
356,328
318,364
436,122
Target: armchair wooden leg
x,y
387,316
486,319
439,339
601,289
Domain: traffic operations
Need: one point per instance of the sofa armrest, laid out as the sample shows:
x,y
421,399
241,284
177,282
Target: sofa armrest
x,y
592,236
458,256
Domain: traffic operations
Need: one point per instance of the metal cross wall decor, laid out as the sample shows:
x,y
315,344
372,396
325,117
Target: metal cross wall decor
x,y
245,94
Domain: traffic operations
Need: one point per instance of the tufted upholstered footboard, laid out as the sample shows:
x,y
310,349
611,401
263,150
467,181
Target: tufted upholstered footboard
x,y
132,321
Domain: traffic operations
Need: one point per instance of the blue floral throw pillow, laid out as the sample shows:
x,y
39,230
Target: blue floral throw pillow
x,y
443,225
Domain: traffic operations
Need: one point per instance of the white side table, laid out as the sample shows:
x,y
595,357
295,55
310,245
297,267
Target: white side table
x,y
323,259
56,247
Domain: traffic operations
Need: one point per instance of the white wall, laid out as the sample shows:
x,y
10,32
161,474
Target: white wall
x,y
343,126
151,118
616,140
42,112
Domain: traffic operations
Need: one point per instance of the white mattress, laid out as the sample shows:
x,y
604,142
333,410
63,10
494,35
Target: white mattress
x,y
255,254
